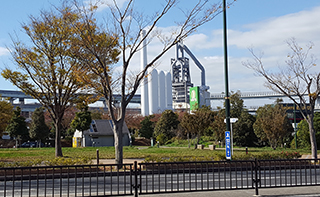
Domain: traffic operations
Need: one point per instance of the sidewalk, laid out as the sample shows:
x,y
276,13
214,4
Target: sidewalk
x,y
310,191
127,161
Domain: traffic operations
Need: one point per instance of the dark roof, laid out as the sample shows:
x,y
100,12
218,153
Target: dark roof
x,y
103,128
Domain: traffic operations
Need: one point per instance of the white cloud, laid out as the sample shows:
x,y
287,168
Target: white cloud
x,y
267,36
303,25
3,51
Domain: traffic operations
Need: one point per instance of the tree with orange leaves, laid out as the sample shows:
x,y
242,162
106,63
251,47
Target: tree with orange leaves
x,y
49,68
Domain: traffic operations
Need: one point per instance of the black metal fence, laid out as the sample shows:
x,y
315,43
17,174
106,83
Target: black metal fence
x,y
150,178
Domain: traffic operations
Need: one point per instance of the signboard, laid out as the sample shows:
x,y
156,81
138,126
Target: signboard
x,y
232,120
194,98
228,146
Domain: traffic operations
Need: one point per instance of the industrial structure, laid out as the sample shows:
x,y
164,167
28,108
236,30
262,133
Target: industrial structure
x,y
156,89
181,79
161,91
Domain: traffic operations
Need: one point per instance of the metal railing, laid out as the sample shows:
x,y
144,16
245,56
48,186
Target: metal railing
x,y
151,178
195,176
80,180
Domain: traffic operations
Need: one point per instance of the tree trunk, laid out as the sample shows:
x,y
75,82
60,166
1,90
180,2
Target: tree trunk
x,y
118,144
58,150
196,142
313,141
189,142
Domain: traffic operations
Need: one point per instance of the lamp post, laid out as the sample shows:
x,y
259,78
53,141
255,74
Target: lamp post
x,y
227,99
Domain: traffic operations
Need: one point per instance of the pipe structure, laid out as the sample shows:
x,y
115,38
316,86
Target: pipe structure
x,y
144,83
168,88
162,91
198,64
153,92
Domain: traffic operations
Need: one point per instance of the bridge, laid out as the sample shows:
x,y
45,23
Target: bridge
x,y
250,95
13,95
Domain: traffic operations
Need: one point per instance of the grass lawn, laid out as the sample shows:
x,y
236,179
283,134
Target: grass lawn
x,y
153,153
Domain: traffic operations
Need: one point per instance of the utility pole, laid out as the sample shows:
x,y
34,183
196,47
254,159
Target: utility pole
x,y
227,98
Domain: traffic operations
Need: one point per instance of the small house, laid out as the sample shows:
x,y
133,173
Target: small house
x,y
100,134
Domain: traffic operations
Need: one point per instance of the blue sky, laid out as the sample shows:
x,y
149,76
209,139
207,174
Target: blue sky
x,y
262,24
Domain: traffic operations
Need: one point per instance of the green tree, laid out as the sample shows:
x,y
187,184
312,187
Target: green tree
x,y
303,137
165,128
243,133
198,122
272,124
147,127
236,105
82,120
242,130
6,112
203,118
218,126
297,78
17,126
187,123
38,128
48,69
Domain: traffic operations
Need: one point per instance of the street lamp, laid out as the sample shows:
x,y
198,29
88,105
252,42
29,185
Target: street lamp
x,y
227,99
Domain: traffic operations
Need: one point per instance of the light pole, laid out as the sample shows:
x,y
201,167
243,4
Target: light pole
x,y
227,99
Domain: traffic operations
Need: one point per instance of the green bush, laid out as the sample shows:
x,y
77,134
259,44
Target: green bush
x,y
220,156
162,138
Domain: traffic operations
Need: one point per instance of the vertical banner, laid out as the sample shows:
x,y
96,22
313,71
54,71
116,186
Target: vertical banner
x,y
194,98
228,146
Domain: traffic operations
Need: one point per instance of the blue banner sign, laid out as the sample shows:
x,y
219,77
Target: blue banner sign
x,y
228,146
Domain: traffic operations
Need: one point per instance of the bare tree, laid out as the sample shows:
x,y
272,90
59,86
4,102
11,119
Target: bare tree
x,y
127,25
296,79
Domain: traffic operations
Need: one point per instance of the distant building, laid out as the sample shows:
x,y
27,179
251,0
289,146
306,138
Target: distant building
x,y
5,135
100,134
292,111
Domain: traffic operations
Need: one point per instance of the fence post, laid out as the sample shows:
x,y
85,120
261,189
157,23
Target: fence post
x,y
97,156
256,180
135,185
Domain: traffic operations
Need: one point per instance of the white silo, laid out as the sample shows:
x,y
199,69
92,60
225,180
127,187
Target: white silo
x,y
162,91
153,92
144,82
168,91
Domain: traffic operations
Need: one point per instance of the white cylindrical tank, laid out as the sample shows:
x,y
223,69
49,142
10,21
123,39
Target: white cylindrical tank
x,y
153,92
162,91
168,91
144,82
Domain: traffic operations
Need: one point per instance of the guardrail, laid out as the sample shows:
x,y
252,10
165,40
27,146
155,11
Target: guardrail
x,y
152,178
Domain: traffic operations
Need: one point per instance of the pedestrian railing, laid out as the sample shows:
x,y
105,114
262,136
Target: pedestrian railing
x,y
79,180
151,178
